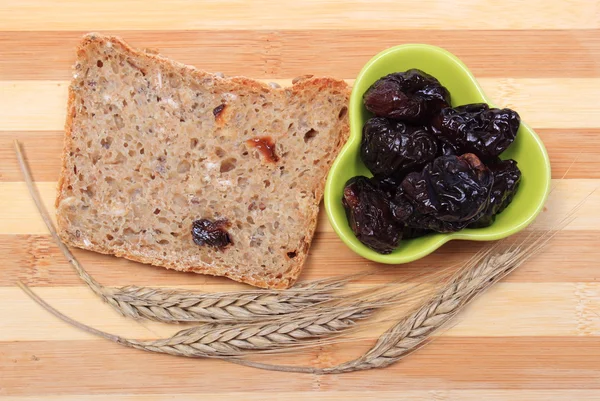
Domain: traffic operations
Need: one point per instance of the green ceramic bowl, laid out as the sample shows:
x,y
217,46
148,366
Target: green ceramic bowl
x,y
527,149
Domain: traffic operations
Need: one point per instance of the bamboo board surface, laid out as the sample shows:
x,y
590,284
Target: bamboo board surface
x,y
534,336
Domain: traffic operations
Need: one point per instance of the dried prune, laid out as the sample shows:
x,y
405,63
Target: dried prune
x,y
436,168
447,149
412,96
446,196
392,148
454,188
411,232
213,233
369,214
417,223
389,185
476,128
507,178
402,209
430,223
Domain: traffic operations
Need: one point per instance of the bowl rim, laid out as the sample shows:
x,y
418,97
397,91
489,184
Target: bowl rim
x,y
356,135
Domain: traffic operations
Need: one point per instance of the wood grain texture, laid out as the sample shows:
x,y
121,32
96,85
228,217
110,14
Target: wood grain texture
x,y
60,15
570,257
570,310
535,336
280,54
564,103
569,158
18,214
450,363
34,259
413,395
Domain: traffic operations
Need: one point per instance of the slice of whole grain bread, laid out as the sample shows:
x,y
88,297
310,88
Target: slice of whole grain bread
x,y
152,145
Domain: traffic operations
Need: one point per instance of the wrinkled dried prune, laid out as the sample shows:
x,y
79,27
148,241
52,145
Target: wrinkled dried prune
x,y
389,185
430,223
508,175
446,196
405,213
476,128
454,188
402,209
213,233
428,159
447,149
369,214
507,178
392,148
412,96
411,232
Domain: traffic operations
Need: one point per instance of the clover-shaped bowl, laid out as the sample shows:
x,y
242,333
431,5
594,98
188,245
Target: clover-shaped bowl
x,y
528,150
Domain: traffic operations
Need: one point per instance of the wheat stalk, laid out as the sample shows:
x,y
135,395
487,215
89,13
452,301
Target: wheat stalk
x,y
174,306
230,342
169,306
414,330
217,340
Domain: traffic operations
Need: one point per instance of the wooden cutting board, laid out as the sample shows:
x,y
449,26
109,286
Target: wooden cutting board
x,y
533,336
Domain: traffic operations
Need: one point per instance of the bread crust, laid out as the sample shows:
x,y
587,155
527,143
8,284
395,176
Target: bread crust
x,y
299,86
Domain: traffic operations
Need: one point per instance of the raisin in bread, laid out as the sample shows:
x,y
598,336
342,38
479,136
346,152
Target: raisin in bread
x,y
152,146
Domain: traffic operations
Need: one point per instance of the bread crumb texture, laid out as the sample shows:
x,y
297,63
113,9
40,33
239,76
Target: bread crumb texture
x,y
152,145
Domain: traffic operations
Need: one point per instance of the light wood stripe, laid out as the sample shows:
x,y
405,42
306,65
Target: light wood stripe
x,y
571,256
542,103
450,363
413,395
42,103
44,149
509,309
266,54
19,209
19,216
310,14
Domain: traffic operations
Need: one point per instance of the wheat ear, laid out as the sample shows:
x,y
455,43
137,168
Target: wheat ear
x,y
215,340
230,342
173,306
414,330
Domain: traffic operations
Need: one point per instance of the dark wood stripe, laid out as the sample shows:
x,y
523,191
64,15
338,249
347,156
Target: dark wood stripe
x,y
99,367
283,54
574,150
574,153
35,260
43,150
